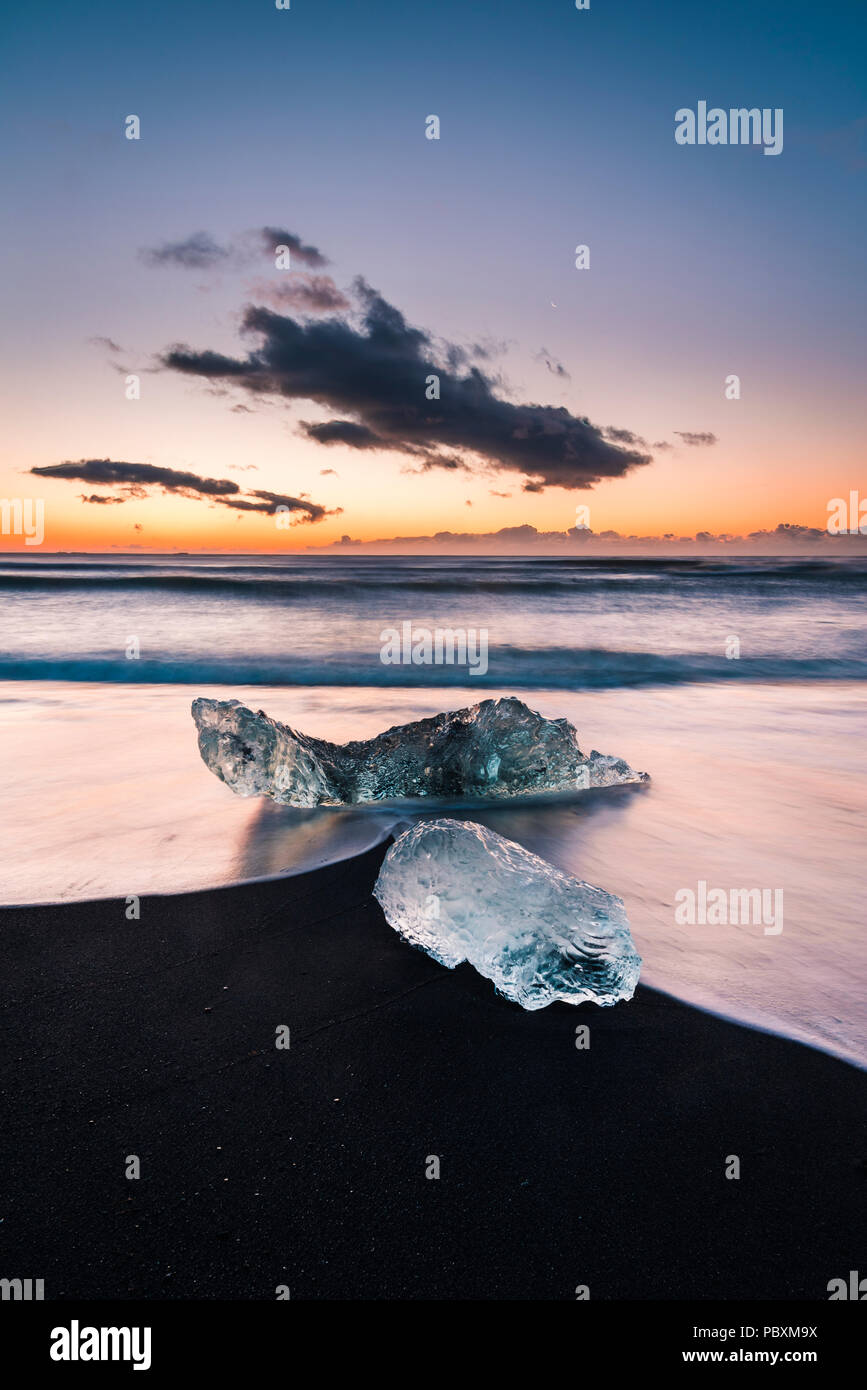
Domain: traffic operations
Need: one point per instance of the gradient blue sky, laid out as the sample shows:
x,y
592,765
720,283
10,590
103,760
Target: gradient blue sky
x,y
557,128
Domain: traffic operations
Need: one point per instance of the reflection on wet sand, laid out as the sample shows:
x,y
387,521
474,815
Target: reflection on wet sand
x,y
290,840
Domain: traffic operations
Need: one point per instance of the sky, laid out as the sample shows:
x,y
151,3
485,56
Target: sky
x,y
279,409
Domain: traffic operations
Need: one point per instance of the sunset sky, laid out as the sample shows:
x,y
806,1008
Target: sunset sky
x,y
412,256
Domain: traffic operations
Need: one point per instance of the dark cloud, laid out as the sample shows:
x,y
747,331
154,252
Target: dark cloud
x,y
269,503
102,501
618,436
112,473
360,437
695,439
661,444
135,478
307,294
328,473
108,344
197,252
446,461
554,367
375,372
494,493
201,251
272,237
344,432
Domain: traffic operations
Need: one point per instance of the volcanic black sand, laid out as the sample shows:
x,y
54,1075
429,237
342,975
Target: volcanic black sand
x,y
263,1167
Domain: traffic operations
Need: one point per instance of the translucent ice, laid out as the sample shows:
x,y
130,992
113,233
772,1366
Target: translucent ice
x,y
495,749
462,892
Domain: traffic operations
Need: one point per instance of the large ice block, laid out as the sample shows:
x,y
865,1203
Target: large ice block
x,y
462,892
496,749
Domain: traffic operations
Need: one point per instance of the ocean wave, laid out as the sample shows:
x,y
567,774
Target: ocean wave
x,y
508,668
309,583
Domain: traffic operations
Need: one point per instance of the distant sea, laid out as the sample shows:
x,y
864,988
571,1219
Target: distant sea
x,y
739,685
552,624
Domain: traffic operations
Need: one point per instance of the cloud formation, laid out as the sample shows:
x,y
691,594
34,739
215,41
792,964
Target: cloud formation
x,y
135,479
270,503
372,370
696,438
115,473
620,436
786,538
306,294
201,251
554,367
343,432
272,237
108,344
196,252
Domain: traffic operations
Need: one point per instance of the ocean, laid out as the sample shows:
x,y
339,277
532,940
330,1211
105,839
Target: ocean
x,y
552,624
739,685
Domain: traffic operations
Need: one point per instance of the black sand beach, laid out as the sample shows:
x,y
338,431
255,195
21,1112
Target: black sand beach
x,y
262,1167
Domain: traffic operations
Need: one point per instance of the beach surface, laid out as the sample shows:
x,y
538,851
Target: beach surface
x,y
739,685
306,1168
756,787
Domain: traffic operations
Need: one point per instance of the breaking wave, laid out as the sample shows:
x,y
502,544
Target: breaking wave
x,y
512,668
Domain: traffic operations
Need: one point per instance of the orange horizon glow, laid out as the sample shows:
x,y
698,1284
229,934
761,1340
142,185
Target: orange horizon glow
x,y
171,524
749,480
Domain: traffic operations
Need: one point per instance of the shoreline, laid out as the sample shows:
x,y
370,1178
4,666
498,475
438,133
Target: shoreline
x,y
382,843
306,1166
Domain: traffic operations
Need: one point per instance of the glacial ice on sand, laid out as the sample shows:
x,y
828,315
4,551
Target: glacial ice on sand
x,y
496,749
462,892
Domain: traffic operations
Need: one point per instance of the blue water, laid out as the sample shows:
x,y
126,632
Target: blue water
x,y
550,624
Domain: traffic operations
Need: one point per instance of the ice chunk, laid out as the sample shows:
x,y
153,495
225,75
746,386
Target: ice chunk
x,y
462,892
496,749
